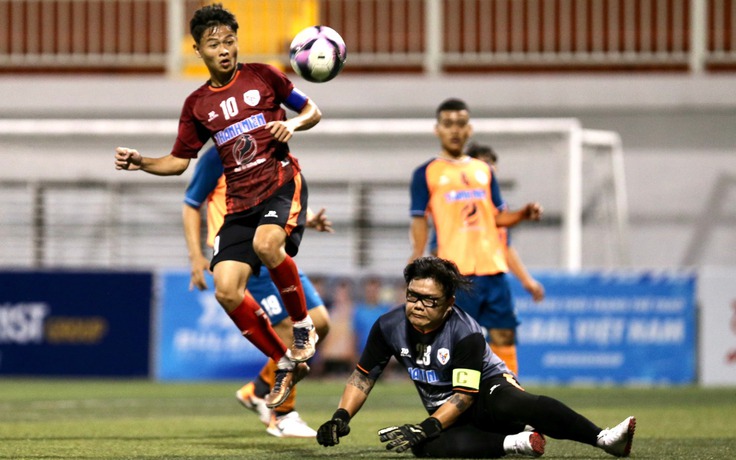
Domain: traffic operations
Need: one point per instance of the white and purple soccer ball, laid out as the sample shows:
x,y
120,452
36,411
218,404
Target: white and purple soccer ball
x,y
317,54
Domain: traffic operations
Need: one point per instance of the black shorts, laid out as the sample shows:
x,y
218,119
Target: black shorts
x,y
287,207
483,427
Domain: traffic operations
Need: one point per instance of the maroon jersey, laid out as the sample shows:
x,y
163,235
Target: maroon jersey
x,y
234,116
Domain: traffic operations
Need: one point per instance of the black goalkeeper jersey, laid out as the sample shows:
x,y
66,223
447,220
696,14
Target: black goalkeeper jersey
x,y
454,357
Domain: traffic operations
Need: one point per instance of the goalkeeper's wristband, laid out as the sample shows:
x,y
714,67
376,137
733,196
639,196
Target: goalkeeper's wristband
x,y
431,427
341,414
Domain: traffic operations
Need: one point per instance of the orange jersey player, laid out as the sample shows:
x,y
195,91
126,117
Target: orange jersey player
x,y
463,198
516,265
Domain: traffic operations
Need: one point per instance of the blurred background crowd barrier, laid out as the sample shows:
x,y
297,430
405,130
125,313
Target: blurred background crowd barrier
x,y
620,327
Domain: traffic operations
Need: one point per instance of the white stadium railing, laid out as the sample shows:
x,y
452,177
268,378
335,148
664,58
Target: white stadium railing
x,y
433,35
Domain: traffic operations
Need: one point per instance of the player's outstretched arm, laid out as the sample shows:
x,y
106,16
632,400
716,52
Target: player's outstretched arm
x,y
191,220
130,160
418,236
517,267
404,437
532,211
319,221
330,432
309,116
353,397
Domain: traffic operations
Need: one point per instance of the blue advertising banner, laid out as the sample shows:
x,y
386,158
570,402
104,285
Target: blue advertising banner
x,y
196,338
75,323
608,328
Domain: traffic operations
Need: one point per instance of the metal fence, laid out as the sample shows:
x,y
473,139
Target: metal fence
x,y
66,224
389,35
60,34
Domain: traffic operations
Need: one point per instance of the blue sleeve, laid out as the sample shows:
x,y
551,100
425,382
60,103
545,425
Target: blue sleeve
x,y
419,192
311,295
204,180
376,353
296,100
496,194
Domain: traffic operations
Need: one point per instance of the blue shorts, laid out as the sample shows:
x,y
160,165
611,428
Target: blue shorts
x,y
489,301
267,295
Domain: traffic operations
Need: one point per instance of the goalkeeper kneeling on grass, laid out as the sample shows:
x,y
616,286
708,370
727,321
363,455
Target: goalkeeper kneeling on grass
x,y
476,406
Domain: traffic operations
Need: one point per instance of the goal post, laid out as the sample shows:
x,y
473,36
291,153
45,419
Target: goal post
x,y
577,143
574,172
611,142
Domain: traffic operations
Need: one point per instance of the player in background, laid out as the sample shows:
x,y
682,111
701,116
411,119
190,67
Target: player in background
x,y
516,265
476,407
504,341
463,198
207,186
240,109
367,310
513,259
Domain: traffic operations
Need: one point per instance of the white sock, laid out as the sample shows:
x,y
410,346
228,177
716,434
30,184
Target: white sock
x,y
509,443
306,322
285,364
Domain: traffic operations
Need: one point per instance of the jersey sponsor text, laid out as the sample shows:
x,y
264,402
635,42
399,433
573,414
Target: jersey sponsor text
x,y
423,375
241,127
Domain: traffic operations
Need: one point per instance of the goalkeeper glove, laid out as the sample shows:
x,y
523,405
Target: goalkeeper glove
x,y
331,431
404,437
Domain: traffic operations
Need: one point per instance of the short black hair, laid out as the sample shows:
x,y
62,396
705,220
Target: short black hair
x,y
443,272
211,16
451,104
481,152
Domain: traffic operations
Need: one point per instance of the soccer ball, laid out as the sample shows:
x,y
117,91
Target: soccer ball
x,y
317,54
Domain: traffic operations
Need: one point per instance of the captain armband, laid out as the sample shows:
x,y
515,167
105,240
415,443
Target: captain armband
x,y
296,100
468,378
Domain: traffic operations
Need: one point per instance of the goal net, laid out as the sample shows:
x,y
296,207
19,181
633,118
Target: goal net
x,y
577,175
65,205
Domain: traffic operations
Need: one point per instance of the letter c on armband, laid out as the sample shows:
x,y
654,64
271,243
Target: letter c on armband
x,y
468,378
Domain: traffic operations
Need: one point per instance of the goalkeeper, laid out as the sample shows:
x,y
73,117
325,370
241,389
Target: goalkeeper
x,y
476,407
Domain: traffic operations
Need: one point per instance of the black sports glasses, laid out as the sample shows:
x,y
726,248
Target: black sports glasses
x,y
427,301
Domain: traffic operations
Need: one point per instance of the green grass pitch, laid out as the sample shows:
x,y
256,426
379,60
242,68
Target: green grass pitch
x,y
113,419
